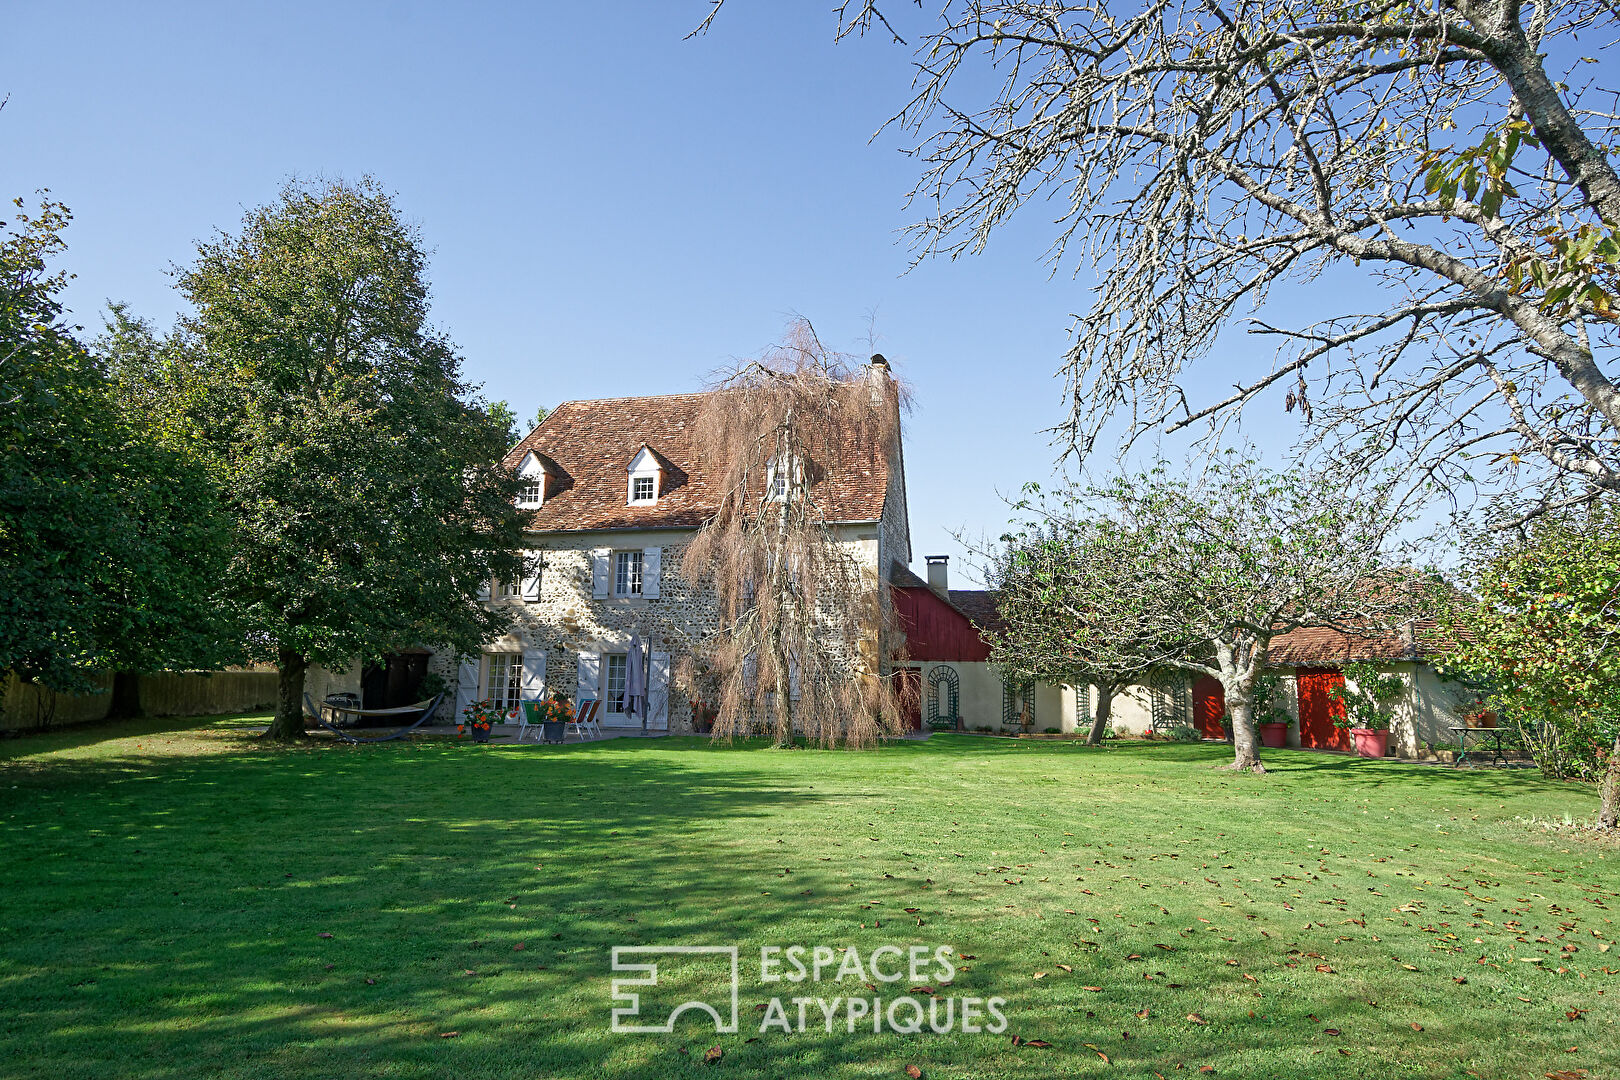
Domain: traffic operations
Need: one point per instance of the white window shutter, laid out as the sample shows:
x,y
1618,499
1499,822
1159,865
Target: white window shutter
x,y
534,674
466,685
658,690
601,581
651,560
531,578
590,671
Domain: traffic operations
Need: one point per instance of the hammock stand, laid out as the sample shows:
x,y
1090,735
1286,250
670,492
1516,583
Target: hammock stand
x,y
422,709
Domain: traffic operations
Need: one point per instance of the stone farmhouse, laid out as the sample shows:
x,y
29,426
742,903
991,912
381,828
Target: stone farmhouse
x,y
618,489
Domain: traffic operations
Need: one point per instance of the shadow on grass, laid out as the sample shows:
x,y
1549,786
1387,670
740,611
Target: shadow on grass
x,y
169,916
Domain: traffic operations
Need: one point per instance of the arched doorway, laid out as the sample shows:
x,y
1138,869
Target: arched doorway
x,y
944,698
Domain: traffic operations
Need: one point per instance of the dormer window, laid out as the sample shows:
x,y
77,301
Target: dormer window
x,y
646,478
777,479
532,492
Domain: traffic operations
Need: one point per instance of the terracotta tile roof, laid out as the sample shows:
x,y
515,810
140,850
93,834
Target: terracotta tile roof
x,y
1321,646
587,447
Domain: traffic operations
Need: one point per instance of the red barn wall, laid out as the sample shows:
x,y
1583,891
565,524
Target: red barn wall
x,y
935,630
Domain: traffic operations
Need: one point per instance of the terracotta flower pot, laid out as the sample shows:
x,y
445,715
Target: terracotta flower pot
x,y
1274,735
1370,743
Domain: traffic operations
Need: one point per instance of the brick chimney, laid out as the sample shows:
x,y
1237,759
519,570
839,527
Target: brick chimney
x,y
938,575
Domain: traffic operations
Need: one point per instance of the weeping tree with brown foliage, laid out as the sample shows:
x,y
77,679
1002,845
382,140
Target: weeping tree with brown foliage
x,y
804,620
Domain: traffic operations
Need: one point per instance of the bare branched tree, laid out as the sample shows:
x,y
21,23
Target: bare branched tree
x,y
1206,151
804,620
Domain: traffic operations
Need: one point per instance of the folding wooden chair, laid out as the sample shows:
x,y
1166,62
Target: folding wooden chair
x,y
584,722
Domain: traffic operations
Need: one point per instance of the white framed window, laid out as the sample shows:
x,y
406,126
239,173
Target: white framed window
x,y
509,588
532,491
503,679
643,489
613,681
777,477
627,573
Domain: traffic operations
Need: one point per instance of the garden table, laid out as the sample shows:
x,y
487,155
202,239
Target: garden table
x,y
1492,736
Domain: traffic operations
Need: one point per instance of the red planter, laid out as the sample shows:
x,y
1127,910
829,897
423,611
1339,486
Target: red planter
x,y
1273,735
1370,743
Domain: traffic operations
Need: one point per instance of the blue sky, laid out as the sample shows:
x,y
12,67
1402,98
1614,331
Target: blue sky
x,y
612,210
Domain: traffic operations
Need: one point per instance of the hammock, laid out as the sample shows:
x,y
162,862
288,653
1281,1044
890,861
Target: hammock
x,y
422,709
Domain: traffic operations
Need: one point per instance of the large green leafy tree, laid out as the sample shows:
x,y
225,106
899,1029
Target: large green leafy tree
x,y
1242,554
1076,601
361,476
110,538
1544,634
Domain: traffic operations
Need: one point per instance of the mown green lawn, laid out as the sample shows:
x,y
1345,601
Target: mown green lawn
x,y
180,901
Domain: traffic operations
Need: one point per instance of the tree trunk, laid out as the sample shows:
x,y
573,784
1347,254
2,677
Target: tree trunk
x,y
289,722
1105,709
126,696
1609,802
1247,748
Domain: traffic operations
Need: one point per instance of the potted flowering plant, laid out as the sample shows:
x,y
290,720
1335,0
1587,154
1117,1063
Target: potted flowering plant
x,y
1270,717
552,714
1366,708
480,716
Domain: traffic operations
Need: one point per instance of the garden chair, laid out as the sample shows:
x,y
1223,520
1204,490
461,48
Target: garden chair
x,y
525,725
584,722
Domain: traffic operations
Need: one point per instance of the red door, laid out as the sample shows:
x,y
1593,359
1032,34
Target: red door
x,y
908,688
1318,709
1209,705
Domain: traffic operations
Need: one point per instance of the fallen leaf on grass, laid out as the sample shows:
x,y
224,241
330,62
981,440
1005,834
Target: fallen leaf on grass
x,y
1039,975
1251,978
1566,1074
1093,989
449,1034
1066,967
1143,1015
323,933
519,947
1040,1044
914,1072
1331,1031
1325,969
1195,1018
712,1055
1416,1026
1206,1068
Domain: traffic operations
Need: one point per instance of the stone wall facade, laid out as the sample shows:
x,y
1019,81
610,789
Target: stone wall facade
x,y
564,620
